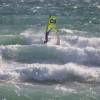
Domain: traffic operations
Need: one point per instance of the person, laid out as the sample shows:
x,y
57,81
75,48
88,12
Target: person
x,y
51,26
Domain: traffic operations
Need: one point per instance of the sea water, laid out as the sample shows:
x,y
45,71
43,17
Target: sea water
x,y
31,70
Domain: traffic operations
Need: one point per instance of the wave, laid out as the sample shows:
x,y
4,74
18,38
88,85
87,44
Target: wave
x,y
82,42
76,59
52,54
68,37
69,72
13,40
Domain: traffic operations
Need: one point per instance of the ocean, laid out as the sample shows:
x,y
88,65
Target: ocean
x,y
32,70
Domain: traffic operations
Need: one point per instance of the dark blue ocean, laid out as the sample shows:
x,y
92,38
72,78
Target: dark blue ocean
x,y
31,70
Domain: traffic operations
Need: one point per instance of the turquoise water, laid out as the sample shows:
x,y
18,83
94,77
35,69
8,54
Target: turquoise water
x,y
31,70
45,92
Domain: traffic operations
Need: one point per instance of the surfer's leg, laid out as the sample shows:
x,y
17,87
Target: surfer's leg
x,y
46,36
57,39
56,31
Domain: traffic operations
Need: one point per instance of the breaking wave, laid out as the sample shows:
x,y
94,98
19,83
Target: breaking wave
x,y
75,49
76,59
69,72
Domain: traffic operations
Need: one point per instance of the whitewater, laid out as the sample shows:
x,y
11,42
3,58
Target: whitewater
x,y
67,68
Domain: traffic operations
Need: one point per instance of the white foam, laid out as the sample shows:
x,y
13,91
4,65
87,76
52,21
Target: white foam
x,y
64,89
77,41
78,50
74,53
67,30
98,6
49,72
82,42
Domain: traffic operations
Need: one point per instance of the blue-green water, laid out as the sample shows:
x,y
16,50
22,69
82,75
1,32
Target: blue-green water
x,y
31,70
48,92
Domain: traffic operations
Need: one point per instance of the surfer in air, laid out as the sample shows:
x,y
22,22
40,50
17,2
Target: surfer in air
x,y
51,27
